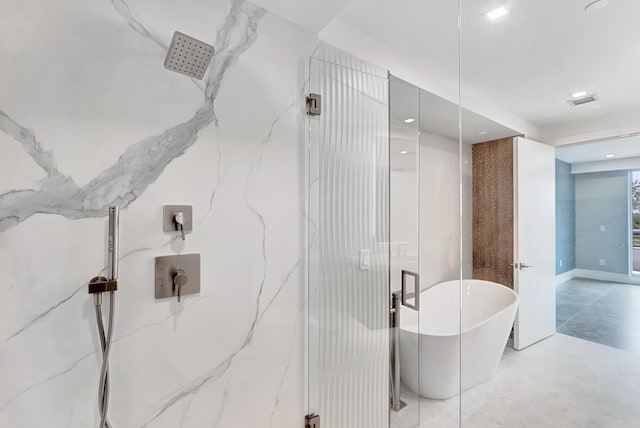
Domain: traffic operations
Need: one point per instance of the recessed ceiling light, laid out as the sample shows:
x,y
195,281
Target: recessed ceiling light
x,y
404,152
596,5
579,94
409,120
609,156
497,13
483,132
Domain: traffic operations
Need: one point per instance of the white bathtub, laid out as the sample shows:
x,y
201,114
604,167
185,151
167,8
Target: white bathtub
x,y
489,310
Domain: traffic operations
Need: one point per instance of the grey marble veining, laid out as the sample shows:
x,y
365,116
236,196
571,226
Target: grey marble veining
x,y
251,234
40,316
31,145
255,168
123,9
119,337
224,366
82,359
225,397
141,163
259,313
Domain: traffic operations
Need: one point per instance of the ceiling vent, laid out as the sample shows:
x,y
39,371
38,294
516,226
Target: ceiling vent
x,y
584,100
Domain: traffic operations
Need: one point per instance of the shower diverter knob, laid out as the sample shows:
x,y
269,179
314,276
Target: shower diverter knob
x,y
178,219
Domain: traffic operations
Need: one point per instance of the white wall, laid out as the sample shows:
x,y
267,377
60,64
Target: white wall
x,y
440,210
404,198
433,195
606,165
599,128
90,117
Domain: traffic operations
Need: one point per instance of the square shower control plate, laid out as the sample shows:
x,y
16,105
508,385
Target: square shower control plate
x,y
167,266
169,211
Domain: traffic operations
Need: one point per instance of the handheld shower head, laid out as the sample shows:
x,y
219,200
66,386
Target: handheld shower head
x,y
114,219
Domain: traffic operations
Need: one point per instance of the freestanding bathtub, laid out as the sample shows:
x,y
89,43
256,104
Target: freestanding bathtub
x,y
430,349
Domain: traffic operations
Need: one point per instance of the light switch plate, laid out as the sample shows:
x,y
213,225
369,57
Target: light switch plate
x,y
169,211
365,259
167,265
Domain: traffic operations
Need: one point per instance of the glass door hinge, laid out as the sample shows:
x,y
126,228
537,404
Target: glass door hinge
x,y
312,421
314,104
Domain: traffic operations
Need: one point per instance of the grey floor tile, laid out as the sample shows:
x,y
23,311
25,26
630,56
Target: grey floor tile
x,y
560,382
602,312
567,310
579,291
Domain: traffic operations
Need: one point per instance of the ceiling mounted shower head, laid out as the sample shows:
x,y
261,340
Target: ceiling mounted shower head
x,y
188,56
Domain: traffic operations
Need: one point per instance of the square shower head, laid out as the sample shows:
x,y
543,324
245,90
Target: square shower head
x,y
188,56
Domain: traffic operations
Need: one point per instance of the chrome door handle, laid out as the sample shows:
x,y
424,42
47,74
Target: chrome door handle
x,y
415,294
524,266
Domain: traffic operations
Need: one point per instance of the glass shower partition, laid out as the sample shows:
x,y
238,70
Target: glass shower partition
x,y
348,299
404,247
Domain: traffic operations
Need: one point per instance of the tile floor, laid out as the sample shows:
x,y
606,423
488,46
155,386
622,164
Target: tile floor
x,y
576,378
603,312
562,382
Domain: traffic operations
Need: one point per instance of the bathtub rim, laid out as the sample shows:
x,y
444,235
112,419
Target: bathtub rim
x,y
411,328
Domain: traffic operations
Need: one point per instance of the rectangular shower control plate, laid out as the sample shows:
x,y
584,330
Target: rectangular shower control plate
x,y
167,265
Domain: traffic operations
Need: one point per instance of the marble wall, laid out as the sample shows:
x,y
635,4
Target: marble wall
x,y
89,117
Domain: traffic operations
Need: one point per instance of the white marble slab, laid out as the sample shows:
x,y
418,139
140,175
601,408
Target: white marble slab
x,y
89,117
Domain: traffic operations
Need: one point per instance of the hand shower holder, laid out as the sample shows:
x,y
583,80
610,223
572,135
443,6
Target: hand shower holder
x,y
100,284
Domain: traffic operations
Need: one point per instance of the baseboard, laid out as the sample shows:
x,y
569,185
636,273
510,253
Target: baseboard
x,y
564,277
605,276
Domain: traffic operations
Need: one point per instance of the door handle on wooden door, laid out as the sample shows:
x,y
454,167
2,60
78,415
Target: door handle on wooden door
x,y
524,266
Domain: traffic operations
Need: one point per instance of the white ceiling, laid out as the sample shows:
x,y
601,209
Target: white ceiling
x,y
545,50
622,148
313,15
530,61
527,63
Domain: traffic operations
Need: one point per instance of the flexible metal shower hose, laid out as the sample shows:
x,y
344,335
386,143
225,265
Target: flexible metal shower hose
x,y
105,340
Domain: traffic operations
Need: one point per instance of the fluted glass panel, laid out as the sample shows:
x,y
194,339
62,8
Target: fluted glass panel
x,y
348,234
